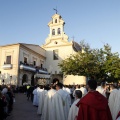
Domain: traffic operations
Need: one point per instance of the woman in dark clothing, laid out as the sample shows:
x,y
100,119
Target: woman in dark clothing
x,y
11,96
2,105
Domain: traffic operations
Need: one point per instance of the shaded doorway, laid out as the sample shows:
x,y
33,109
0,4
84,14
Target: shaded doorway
x,y
24,79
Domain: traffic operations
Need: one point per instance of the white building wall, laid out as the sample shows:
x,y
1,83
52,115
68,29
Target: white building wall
x,y
13,51
63,53
36,48
30,57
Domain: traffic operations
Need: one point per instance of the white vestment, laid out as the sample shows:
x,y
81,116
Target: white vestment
x,y
41,98
38,91
116,108
73,112
101,90
111,101
84,91
35,97
61,105
47,113
67,90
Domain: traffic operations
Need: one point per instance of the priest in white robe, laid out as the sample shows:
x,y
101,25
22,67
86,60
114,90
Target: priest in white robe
x,y
102,89
41,96
83,90
47,113
73,112
112,98
67,89
35,97
61,103
116,108
39,89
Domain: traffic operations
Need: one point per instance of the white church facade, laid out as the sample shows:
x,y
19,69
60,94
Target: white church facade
x,y
20,62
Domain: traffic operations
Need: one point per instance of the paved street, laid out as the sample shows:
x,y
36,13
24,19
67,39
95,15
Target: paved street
x,y
23,109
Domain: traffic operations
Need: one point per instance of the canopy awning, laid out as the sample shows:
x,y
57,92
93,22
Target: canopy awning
x,y
44,76
33,69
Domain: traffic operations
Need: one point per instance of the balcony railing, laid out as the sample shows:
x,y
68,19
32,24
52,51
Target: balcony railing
x,y
7,66
32,68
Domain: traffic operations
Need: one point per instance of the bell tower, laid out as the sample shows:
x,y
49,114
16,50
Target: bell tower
x,y
56,26
57,46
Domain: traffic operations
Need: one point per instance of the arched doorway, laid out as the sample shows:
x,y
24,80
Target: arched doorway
x,y
24,79
32,80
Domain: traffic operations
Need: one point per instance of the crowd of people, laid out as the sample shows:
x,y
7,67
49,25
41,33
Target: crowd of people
x,y
6,101
76,102
67,102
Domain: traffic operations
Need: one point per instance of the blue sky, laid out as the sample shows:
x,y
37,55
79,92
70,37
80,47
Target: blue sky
x,y
95,21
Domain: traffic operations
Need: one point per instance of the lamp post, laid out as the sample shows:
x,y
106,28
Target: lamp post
x,y
10,79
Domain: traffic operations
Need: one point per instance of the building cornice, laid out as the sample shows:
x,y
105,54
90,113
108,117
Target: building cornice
x,y
56,24
57,46
56,39
21,45
10,45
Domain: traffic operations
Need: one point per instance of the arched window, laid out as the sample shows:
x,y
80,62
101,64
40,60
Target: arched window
x,y
59,32
53,32
55,20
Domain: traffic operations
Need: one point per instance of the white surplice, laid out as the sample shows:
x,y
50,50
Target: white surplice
x,y
68,90
41,98
73,112
38,91
101,90
111,101
47,113
61,105
116,108
84,91
35,97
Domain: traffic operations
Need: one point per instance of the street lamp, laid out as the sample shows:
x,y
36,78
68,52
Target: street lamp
x,y
10,79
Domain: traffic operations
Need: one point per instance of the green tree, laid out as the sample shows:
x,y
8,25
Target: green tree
x,y
99,64
111,64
